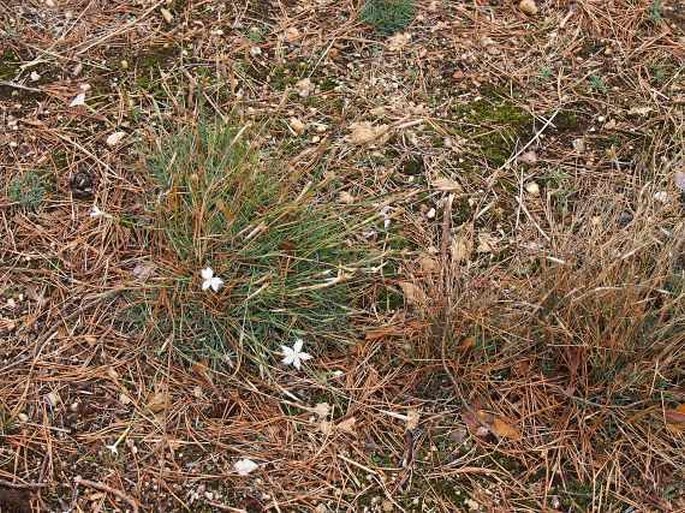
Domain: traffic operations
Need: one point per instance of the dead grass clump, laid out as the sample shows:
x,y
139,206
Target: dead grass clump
x,y
580,352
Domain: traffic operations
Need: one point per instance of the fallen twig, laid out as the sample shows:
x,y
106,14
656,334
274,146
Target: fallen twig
x,y
108,489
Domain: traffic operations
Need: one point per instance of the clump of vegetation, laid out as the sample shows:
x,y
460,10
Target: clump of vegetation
x,y
495,124
656,12
8,65
595,323
28,190
597,84
287,260
388,16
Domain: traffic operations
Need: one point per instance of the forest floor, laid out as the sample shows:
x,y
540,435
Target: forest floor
x,y
473,221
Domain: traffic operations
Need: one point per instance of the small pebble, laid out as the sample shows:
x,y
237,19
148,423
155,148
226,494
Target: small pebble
x,y
529,157
528,7
579,145
298,126
532,188
624,218
166,14
661,197
52,399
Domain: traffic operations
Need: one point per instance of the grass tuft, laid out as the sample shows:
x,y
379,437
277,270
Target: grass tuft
x,y
28,190
286,257
388,16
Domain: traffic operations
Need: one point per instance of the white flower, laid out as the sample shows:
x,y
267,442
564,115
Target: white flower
x,y
294,355
79,99
245,466
114,138
385,213
113,449
211,281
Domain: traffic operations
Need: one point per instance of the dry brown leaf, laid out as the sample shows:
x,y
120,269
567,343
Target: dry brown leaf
x,y
460,249
413,294
322,410
484,417
487,242
364,132
158,402
482,422
475,423
675,418
413,418
345,197
326,427
428,264
469,418
298,126
291,34
447,185
398,41
528,7
467,343
348,426
502,428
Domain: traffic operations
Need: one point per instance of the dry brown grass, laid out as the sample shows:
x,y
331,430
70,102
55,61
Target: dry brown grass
x,y
558,313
